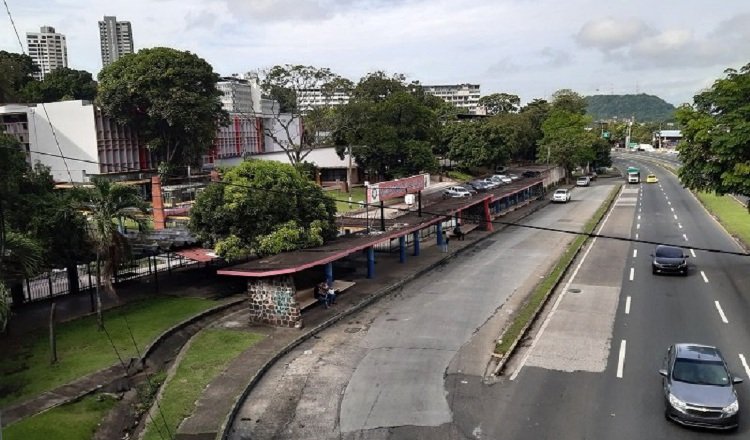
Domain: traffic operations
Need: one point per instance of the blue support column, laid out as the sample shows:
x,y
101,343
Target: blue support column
x,y
402,249
440,234
415,234
370,262
329,273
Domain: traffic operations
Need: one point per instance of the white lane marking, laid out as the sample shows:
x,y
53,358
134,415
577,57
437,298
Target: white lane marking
x,y
685,237
721,312
675,216
639,217
632,273
559,300
705,278
638,226
692,252
621,359
636,236
627,309
666,197
672,209
744,364
679,225
635,253
639,209
669,203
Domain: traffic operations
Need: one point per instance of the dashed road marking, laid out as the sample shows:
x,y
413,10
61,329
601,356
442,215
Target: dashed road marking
x,y
639,217
744,365
621,359
635,253
627,307
679,225
638,226
672,209
685,237
692,252
632,273
636,236
721,312
669,203
675,216
705,278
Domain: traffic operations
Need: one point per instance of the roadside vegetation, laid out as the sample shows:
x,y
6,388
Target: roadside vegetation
x,y
74,421
81,349
341,198
207,356
730,213
543,290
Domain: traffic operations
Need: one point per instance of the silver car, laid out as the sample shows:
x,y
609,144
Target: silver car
x,y
698,388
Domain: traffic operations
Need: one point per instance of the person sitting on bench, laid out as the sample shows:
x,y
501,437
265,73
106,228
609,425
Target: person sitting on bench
x,y
320,293
458,232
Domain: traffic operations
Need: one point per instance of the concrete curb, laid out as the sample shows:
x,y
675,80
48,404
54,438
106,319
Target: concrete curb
x,y
525,330
232,416
147,351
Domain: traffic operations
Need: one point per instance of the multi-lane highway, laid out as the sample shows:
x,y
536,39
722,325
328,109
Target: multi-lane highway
x,y
412,367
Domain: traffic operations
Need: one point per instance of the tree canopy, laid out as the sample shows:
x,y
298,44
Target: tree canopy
x,y
170,97
642,107
715,150
498,103
263,208
15,72
61,84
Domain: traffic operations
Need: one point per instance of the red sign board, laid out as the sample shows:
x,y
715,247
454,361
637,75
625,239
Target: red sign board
x,y
392,189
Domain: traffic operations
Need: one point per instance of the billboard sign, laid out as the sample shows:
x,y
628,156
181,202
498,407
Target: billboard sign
x,y
392,189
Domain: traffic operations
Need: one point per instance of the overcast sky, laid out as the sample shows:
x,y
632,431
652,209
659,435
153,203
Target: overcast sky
x,y
670,48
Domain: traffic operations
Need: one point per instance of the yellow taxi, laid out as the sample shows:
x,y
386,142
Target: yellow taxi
x,y
651,179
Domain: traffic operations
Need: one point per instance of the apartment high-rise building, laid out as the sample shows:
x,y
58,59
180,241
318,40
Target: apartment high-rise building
x,y
461,95
116,39
47,50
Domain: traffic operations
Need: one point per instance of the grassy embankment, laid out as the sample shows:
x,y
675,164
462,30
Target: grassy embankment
x,y
25,368
540,293
207,356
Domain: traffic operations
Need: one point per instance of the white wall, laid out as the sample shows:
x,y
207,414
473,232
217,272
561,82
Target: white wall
x,y
275,126
75,130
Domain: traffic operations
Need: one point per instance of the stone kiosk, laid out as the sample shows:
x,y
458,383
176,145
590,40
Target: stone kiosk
x,y
272,301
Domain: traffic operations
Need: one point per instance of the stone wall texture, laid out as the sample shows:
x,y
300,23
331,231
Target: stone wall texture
x,y
272,302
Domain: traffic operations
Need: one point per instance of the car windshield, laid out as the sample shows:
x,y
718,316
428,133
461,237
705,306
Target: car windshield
x,y
700,372
560,192
669,252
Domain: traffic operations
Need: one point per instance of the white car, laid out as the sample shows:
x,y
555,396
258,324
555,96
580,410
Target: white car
x,y
561,196
514,177
456,192
583,181
501,178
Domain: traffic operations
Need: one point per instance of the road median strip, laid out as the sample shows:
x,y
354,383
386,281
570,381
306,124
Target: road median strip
x,y
529,311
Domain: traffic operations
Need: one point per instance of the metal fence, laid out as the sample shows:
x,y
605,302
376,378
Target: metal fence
x,y
56,282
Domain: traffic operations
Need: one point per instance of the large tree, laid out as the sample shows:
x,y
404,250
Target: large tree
x,y
263,207
106,203
715,150
170,97
298,127
498,103
391,126
566,141
62,84
15,72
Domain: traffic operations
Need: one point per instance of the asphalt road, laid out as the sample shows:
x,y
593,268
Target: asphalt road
x,y
623,400
399,368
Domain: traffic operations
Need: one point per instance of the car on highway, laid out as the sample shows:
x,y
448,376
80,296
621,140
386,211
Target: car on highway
x,y
651,178
561,195
698,387
583,181
669,259
456,192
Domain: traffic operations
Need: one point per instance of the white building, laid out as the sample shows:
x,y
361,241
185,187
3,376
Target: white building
x,y
116,39
47,50
460,95
240,95
307,99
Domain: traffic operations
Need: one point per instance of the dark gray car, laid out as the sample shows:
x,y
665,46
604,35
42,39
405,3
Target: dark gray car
x,y
669,259
698,388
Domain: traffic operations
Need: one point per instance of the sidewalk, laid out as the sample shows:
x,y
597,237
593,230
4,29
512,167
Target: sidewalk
x,y
221,396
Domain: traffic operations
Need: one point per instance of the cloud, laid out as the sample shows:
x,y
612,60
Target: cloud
x,y
555,58
308,10
608,33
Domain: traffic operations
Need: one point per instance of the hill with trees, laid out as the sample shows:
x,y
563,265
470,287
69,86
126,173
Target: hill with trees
x,y
645,108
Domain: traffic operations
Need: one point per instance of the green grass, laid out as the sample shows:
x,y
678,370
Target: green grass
x,y
208,355
459,176
733,216
540,293
74,421
341,198
25,370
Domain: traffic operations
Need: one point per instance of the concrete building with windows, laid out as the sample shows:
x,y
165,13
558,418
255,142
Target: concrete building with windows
x,y
460,95
239,94
47,49
308,99
116,39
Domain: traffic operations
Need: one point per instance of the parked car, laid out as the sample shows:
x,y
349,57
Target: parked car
x,y
698,387
469,188
514,177
561,195
530,173
492,184
455,192
651,178
669,259
479,185
583,181
593,175
501,178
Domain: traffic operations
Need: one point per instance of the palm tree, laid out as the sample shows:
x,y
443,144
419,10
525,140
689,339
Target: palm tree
x,y
20,256
107,204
